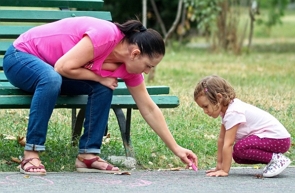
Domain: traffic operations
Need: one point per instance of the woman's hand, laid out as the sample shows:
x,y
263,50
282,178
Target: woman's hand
x,y
218,173
186,156
110,82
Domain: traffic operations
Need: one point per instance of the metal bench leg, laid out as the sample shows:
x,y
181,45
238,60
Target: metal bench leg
x,y
77,124
124,124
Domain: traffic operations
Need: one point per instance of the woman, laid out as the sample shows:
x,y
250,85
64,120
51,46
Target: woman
x,y
85,55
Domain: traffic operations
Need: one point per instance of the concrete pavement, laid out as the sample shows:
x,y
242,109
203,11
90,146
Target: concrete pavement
x,y
240,180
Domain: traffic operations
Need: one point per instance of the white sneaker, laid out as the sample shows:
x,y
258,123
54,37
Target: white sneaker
x,y
278,163
266,167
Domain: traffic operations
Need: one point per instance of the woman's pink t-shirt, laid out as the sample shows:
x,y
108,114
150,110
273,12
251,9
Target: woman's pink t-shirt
x,y
51,41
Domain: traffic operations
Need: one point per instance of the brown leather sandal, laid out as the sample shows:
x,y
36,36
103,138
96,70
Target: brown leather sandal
x,y
26,171
89,168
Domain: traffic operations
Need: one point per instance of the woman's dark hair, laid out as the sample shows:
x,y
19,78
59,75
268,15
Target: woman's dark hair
x,y
149,41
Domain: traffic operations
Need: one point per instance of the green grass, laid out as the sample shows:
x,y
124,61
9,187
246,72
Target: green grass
x,y
264,77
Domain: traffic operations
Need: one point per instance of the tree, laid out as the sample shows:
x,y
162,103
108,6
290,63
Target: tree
x,y
219,20
275,9
253,10
144,10
159,19
166,35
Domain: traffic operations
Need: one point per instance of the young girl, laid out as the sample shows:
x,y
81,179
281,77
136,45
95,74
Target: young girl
x,y
248,134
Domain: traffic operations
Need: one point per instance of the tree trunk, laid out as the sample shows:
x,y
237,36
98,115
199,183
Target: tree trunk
x,y
144,10
152,73
253,9
176,21
183,15
159,19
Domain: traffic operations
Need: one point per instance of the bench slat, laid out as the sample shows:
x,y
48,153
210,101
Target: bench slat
x,y
7,89
118,101
48,16
8,32
4,46
12,32
85,4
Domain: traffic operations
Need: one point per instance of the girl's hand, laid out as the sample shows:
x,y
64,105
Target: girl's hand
x,y
110,82
218,173
211,170
218,167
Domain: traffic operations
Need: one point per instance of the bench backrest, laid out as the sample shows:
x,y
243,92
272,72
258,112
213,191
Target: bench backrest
x,y
30,13
77,4
17,16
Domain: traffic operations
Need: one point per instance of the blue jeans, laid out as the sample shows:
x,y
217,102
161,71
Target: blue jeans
x,y
35,76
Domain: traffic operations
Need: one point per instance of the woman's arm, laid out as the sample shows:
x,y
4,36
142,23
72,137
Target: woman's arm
x,y
154,117
71,64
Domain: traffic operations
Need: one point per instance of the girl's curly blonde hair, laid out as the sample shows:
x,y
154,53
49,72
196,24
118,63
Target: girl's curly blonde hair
x,y
210,86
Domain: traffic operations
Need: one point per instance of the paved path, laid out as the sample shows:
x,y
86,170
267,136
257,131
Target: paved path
x,y
243,180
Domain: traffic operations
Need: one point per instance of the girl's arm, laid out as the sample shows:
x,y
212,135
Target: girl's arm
x,y
220,147
220,143
227,150
154,117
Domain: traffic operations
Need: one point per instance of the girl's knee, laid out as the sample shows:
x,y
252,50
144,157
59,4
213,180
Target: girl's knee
x,y
238,152
237,160
237,147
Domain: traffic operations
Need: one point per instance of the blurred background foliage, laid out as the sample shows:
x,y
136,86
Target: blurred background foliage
x,y
217,20
220,25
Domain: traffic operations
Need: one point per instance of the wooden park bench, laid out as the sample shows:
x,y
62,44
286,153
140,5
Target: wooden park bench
x,y
17,16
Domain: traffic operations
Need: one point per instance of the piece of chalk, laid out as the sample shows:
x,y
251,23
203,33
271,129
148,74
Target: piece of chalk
x,y
194,167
